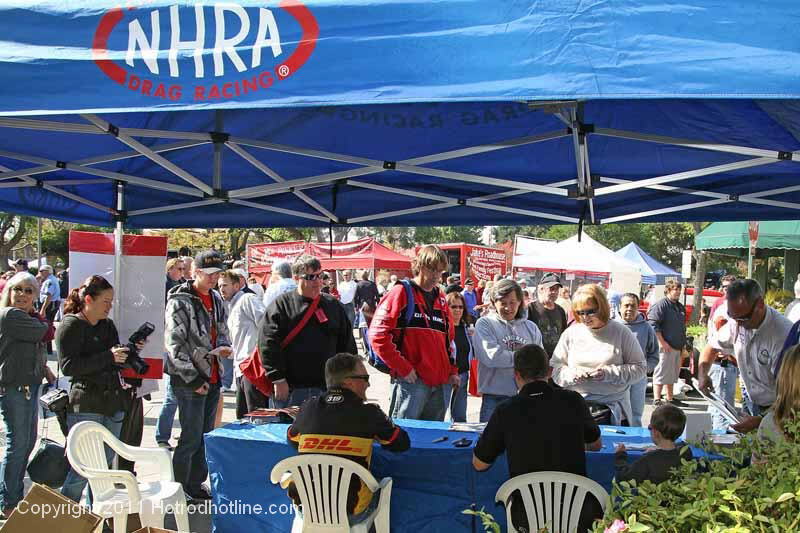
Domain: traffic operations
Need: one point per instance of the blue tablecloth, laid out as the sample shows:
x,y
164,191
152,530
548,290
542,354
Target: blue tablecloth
x,y
432,483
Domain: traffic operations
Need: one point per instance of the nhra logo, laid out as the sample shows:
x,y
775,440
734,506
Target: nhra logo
x,y
246,52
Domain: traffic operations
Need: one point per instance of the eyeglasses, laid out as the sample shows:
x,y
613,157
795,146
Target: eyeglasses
x,y
456,307
748,316
586,312
20,290
365,377
311,277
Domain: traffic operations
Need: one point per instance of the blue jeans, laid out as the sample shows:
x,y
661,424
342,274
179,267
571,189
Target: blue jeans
x,y
19,416
296,397
196,413
457,399
227,377
636,393
166,418
74,484
724,381
488,404
417,401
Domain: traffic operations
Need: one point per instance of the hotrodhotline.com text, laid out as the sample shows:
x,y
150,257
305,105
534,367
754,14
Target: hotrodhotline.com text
x,y
56,510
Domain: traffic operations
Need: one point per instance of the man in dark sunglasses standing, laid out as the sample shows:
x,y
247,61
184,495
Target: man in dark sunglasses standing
x,y
301,330
755,332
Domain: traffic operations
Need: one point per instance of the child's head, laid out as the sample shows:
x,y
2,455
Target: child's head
x,y
669,421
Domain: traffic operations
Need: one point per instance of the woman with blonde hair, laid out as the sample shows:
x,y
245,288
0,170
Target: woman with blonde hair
x,y
787,403
598,357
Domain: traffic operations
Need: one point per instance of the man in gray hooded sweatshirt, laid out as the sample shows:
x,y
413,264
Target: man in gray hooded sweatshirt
x,y
497,336
646,335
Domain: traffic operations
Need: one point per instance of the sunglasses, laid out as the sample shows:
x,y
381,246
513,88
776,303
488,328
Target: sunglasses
x,y
365,377
586,312
748,316
311,277
20,290
456,307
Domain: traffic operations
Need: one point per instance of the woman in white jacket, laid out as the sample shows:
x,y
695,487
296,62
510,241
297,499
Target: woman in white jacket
x,y
505,329
598,357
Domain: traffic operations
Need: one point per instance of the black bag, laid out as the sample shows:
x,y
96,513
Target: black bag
x,y
49,465
600,412
55,400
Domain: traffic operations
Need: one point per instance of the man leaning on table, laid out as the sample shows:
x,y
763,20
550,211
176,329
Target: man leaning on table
x,y
542,428
755,334
342,413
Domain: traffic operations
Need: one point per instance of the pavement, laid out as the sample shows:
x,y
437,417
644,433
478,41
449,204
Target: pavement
x,y
200,522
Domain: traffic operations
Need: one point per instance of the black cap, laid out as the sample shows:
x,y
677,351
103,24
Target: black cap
x,y
550,279
209,261
22,263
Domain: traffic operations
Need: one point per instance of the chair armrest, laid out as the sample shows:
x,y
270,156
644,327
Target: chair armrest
x,y
286,479
118,476
160,457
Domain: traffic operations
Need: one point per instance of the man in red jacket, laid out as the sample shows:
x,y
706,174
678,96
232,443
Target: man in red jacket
x,y
418,352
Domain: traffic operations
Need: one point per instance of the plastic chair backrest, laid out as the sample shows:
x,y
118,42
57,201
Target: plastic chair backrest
x,y
552,499
86,449
323,483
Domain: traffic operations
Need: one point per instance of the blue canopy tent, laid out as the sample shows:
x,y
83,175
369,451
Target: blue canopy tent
x,y
652,271
399,113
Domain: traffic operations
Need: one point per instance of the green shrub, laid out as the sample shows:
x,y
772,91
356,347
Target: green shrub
x,y
720,496
778,299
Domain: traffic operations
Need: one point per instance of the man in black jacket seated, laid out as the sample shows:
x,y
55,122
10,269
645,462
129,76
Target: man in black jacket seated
x,y
297,368
343,416
542,428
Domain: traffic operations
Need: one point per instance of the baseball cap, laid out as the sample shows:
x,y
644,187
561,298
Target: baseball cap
x,y
469,282
46,267
21,263
550,279
209,261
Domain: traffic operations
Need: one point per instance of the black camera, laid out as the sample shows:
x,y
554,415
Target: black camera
x,y
134,361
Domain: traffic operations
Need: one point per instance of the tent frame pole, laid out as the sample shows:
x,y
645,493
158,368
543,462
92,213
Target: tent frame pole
x,y
118,238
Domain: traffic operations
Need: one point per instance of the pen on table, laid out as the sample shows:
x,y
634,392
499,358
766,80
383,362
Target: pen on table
x,y
619,431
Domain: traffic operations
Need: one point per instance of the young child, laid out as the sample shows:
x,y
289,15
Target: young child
x,y
666,425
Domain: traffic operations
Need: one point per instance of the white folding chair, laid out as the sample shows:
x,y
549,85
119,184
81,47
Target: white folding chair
x,y
86,454
552,499
322,483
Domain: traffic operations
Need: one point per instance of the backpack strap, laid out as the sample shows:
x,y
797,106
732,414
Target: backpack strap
x,y
410,308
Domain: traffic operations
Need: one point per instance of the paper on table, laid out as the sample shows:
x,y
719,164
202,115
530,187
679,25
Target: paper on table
x,y
726,409
464,426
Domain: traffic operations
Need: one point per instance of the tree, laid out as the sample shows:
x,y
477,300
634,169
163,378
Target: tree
x,y
12,230
699,276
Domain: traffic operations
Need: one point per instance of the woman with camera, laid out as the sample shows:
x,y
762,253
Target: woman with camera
x,y
89,351
23,364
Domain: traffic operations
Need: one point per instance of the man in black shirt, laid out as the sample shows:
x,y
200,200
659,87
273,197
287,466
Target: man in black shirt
x,y
546,314
294,357
342,416
366,292
541,429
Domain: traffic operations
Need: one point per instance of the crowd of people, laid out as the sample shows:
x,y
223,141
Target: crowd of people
x,y
543,359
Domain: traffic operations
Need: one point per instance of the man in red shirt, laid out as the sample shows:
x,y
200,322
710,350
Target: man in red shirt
x,y
418,352
196,338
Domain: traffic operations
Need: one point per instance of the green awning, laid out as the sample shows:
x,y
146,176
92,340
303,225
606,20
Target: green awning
x,y
732,238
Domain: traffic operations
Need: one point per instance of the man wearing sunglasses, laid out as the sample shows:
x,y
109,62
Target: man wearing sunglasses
x,y
341,422
297,339
755,332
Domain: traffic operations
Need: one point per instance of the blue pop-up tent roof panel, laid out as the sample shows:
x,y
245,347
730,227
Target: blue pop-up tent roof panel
x,y
653,271
413,113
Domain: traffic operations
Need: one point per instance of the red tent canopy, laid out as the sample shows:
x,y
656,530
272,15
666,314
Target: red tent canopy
x,y
364,253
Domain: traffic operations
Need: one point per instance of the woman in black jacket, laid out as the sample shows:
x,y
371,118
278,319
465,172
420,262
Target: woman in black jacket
x,y
23,364
89,352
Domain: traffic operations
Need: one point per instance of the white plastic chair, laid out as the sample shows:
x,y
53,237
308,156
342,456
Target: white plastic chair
x,y
552,499
151,500
322,483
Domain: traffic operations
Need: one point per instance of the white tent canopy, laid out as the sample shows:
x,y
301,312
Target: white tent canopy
x,y
586,255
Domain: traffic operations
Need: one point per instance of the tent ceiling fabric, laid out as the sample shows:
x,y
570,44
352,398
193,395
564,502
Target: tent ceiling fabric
x,y
399,114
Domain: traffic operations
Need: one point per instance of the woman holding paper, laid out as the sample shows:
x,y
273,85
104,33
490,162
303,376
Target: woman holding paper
x,y
598,357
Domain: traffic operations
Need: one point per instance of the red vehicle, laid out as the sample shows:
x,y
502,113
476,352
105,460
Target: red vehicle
x,y
709,297
477,262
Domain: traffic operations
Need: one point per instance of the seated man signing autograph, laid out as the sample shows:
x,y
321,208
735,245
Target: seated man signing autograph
x,y
342,416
